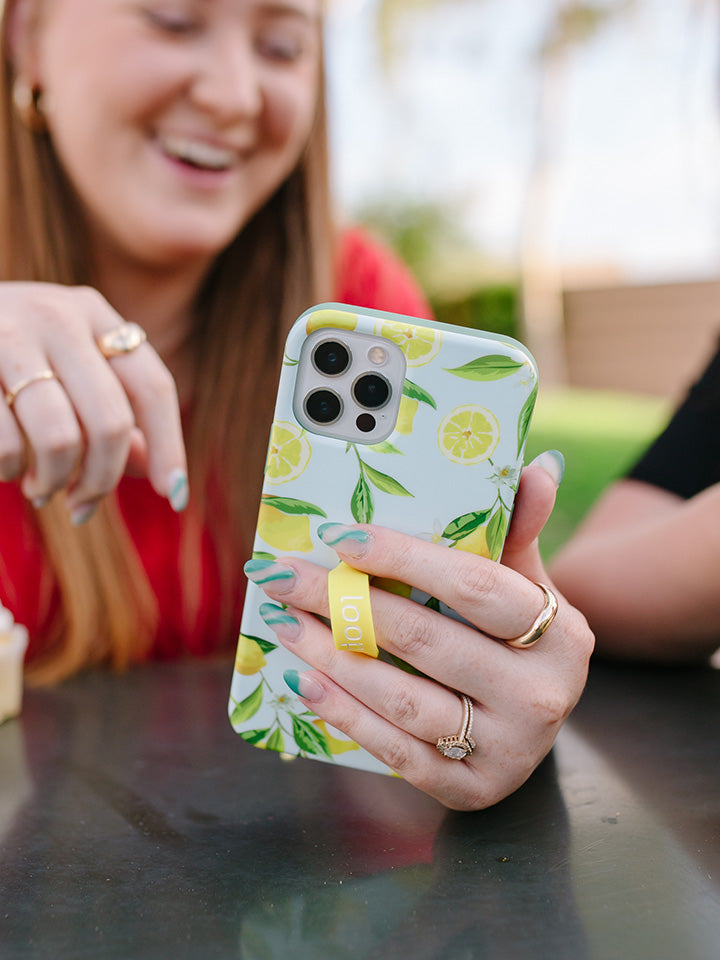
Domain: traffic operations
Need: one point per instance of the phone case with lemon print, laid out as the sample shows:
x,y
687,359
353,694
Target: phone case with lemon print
x,y
447,473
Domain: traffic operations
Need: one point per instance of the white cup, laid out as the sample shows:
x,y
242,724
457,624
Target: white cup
x,y
13,643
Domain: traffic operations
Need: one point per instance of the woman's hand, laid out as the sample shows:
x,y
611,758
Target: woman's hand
x,y
76,430
520,697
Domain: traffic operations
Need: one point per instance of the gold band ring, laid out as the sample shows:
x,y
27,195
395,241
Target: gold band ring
x,y
11,394
540,623
462,745
123,339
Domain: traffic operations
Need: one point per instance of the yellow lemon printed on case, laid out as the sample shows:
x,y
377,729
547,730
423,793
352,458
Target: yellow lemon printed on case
x,y
289,452
419,344
284,531
468,434
249,658
475,542
331,318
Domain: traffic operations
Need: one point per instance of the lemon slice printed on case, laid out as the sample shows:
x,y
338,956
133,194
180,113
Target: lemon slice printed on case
x,y
419,344
289,452
468,434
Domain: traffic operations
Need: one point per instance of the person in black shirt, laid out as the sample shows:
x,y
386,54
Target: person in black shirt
x,y
644,566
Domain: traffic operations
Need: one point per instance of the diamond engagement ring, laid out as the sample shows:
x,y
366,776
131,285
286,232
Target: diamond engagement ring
x,y
462,745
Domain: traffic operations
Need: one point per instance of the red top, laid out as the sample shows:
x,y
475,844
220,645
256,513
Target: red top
x,y
367,276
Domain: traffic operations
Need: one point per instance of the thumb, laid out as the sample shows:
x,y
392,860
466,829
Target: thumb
x,y
533,505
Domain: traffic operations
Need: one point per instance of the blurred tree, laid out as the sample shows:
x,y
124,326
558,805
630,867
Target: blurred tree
x,y
442,256
569,25
420,233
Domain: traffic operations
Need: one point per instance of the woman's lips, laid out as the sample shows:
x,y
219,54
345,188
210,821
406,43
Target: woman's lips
x,y
198,153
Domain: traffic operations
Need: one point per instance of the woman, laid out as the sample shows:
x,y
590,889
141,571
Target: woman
x,y
165,169
644,564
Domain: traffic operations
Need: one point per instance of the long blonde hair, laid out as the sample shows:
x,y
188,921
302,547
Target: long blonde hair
x,y
278,265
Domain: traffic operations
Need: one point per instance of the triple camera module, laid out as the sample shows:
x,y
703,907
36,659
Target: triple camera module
x,y
349,385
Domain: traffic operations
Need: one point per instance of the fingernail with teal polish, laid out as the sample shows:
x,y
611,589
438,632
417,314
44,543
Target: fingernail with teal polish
x,y
278,619
304,686
552,462
178,490
264,572
347,539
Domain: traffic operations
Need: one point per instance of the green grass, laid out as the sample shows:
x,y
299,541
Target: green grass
x,y
600,435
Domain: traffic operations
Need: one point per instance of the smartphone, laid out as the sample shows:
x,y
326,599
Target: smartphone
x,y
386,419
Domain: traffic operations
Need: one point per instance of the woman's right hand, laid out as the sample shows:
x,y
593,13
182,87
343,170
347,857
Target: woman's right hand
x,y
75,432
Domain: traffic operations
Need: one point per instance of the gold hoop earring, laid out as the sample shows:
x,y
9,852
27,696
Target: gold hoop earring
x,y
28,103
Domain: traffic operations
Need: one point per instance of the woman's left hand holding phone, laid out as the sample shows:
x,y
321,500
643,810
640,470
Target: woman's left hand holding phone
x,y
520,697
84,396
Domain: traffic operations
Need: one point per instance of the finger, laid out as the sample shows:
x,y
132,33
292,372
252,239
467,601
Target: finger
x,y
475,782
533,505
415,704
12,445
45,416
453,653
149,389
414,758
494,598
457,784
106,419
153,397
493,771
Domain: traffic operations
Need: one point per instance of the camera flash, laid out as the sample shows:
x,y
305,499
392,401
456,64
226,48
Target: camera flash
x,y
377,355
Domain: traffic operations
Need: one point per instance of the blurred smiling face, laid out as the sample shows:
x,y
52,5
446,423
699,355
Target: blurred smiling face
x,y
175,120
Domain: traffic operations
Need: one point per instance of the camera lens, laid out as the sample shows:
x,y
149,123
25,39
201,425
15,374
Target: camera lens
x,y
331,357
323,406
371,391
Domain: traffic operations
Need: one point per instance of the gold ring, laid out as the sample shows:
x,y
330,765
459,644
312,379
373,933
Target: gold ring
x,y
123,339
540,623
461,746
11,394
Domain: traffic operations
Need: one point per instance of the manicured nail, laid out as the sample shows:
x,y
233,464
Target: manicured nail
x,y
82,513
552,462
178,490
304,686
265,572
347,539
278,619
40,502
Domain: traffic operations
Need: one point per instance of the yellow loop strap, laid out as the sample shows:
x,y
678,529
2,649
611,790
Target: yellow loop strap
x,y
350,613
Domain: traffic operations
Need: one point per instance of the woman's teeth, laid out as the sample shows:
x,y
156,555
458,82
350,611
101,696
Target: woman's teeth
x,y
198,153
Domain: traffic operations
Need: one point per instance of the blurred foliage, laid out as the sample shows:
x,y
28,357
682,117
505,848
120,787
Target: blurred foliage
x,y
570,23
492,307
577,23
446,264
389,12
420,234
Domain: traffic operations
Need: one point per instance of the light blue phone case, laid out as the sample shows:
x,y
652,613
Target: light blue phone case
x,y
447,473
